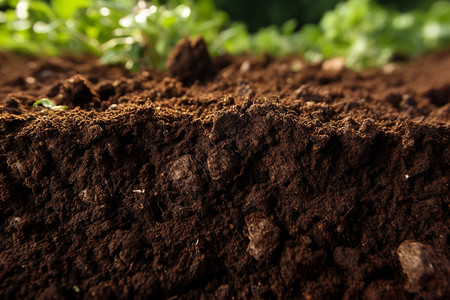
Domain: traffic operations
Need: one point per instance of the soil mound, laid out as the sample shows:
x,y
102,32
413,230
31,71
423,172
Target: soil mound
x,y
190,60
273,179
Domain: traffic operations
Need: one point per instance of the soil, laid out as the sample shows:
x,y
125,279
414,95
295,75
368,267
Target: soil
x,y
270,179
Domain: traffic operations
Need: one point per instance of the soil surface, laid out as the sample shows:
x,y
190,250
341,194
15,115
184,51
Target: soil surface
x,y
271,179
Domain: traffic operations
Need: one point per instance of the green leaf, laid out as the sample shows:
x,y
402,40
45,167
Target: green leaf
x,y
289,27
168,21
40,10
66,9
47,103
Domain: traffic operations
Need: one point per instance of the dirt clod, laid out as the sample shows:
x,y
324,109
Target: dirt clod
x,y
190,60
78,91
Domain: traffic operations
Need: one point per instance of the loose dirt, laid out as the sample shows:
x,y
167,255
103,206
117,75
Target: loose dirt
x,y
271,179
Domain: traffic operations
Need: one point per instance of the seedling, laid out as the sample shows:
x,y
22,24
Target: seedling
x,y
47,103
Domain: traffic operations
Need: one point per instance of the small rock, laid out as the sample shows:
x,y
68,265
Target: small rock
x,y
85,196
182,173
334,65
190,60
368,126
428,272
222,164
30,80
223,292
407,102
91,133
297,65
264,237
19,168
244,67
244,89
112,107
390,68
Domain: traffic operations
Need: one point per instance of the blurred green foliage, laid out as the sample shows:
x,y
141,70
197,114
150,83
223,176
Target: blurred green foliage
x,y
119,31
368,34
139,33
260,13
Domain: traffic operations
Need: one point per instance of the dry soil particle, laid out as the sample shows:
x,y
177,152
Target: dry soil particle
x,y
274,179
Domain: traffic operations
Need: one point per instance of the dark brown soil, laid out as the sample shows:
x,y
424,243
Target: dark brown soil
x,y
274,179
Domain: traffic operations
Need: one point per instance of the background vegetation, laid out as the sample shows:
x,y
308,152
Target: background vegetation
x,y
365,32
260,13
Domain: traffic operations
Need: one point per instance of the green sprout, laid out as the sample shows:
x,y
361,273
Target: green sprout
x,y
47,103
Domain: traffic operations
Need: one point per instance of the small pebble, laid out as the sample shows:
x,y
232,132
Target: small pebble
x,y
407,102
221,164
30,80
182,173
264,237
428,271
334,65
223,292
244,89
112,107
244,67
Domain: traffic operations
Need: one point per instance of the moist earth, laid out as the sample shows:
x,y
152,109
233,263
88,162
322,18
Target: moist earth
x,y
267,178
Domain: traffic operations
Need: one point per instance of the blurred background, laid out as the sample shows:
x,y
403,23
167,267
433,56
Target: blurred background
x,y
136,33
260,13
